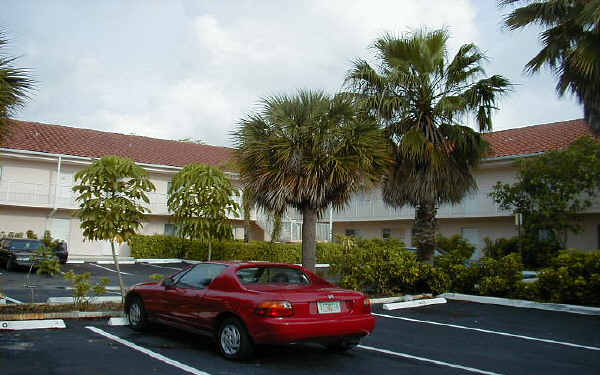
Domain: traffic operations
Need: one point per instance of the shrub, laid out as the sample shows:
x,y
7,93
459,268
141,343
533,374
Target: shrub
x,y
48,264
534,253
455,244
573,277
82,288
161,246
31,235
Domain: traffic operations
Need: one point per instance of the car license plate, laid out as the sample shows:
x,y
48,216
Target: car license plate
x,y
329,307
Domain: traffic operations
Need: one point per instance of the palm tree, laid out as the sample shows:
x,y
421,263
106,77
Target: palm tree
x,y
308,151
421,99
571,46
15,86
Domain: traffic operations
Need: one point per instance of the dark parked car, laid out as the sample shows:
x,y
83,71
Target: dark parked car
x,y
20,252
242,304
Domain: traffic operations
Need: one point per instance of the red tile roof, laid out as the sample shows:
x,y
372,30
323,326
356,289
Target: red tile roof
x,y
34,136
537,138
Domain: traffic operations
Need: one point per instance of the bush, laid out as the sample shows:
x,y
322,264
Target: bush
x,y
455,244
161,246
82,288
535,254
48,264
573,277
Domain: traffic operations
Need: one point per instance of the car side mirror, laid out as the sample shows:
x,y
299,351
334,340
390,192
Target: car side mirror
x,y
168,283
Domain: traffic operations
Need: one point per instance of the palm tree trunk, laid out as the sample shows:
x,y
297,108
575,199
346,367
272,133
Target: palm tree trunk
x,y
309,236
424,230
116,260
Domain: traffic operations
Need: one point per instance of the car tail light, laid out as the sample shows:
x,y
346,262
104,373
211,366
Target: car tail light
x,y
275,309
367,305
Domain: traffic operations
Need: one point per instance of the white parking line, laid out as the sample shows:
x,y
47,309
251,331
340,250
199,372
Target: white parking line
x,y
12,300
154,265
110,269
404,355
492,332
148,352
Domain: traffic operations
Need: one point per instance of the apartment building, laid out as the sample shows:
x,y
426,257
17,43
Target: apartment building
x,y
38,163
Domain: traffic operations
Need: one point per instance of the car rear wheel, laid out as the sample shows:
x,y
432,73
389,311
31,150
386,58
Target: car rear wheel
x,y
342,345
136,314
233,340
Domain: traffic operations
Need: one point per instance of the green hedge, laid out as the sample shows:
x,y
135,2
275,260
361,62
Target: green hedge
x,y
161,246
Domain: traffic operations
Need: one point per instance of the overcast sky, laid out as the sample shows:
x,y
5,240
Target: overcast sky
x,y
175,69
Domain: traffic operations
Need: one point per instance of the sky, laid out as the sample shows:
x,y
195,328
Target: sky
x,y
192,69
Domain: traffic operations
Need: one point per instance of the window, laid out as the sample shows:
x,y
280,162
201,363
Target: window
x,y
272,275
200,276
352,232
170,229
386,233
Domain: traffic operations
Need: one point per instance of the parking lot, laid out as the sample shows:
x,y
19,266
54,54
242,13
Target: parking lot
x,y
28,287
452,338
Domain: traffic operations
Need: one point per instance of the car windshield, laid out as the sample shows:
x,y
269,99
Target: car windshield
x,y
25,245
272,275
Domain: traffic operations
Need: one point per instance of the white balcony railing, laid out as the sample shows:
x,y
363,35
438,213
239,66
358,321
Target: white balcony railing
x,y
25,194
373,208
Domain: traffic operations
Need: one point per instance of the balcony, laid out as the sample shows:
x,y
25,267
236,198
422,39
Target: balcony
x,y
371,207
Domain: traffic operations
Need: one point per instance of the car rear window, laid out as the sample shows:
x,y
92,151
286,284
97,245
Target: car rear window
x,y
25,245
272,275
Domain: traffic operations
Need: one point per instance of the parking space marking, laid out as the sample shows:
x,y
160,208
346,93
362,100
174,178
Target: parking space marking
x,y
404,355
491,332
148,352
12,300
110,269
154,265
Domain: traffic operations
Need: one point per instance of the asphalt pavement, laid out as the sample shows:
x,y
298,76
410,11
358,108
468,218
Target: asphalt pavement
x,y
452,338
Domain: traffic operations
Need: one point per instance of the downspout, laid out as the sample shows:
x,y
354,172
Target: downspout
x,y
55,205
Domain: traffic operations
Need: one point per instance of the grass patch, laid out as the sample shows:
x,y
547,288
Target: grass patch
x,y
48,308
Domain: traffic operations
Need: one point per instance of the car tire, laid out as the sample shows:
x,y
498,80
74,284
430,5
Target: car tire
x,y
342,346
11,265
234,341
136,314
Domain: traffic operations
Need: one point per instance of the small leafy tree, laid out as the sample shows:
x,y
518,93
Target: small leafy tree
x,y
48,262
552,188
110,196
82,288
200,199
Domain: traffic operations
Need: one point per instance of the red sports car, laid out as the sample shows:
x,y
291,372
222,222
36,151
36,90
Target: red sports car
x,y
242,304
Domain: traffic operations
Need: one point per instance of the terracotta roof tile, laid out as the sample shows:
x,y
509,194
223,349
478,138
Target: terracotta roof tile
x,y
65,140
537,138
34,136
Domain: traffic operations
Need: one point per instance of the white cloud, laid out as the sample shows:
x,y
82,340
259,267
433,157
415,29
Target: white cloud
x,y
206,64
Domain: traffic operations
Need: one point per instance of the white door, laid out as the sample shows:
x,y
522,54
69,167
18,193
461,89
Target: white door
x,y
65,192
472,235
60,229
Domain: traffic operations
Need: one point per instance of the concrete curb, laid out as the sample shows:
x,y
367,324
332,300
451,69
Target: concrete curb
x,y
69,300
158,261
405,298
75,261
61,315
409,304
31,324
112,262
575,309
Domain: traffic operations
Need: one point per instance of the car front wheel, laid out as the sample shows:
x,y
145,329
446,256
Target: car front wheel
x,y
136,314
233,340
